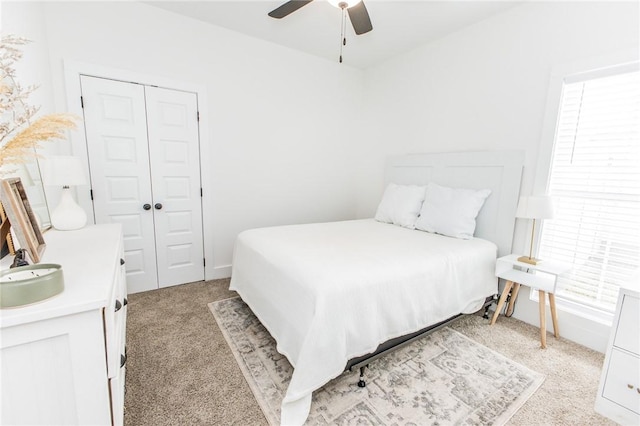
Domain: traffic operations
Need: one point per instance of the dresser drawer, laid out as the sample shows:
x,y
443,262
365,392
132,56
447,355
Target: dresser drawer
x,y
627,335
623,380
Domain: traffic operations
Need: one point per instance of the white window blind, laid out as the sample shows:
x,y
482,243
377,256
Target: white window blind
x,y
595,183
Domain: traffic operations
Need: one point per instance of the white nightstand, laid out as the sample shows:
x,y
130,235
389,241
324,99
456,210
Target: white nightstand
x,y
542,277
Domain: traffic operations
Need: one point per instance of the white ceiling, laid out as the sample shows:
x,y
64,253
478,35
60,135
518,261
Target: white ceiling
x,y
398,26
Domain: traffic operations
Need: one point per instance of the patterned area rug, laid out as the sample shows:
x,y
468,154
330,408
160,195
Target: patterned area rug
x,y
442,379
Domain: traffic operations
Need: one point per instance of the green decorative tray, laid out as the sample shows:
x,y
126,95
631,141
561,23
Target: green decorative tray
x,y
30,284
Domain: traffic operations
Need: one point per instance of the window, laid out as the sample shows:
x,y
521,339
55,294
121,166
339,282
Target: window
x,y
595,182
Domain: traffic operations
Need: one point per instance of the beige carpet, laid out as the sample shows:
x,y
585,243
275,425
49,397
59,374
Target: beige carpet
x,y
180,370
443,378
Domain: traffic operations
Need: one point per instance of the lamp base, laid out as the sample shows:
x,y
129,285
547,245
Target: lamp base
x,y
68,216
529,260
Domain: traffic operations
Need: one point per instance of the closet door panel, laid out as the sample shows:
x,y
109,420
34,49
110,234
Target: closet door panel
x,y
116,130
175,170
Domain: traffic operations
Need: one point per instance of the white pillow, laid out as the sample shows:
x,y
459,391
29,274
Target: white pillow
x,y
451,211
401,205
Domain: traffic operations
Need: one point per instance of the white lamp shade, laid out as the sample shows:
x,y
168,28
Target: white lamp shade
x,y
25,175
535,207
63,171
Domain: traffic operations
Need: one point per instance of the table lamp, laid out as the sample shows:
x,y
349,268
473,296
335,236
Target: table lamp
x,y
66,171
534,207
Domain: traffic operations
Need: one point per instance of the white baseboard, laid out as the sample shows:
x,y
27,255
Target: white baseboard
x,y
217,272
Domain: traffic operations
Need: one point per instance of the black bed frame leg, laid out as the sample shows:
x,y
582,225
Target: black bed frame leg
x,y
486,312
361,382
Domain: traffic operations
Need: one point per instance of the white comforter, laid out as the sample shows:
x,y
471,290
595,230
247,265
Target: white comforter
x,y
329,292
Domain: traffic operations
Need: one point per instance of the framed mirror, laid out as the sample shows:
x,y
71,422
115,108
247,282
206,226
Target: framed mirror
x,y
36,194
29,174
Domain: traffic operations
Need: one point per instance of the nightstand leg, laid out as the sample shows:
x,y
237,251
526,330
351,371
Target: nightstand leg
x,y
543,319
512,301
503,297
554,315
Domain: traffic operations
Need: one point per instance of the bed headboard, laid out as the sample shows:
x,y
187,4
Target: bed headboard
x,y
499,171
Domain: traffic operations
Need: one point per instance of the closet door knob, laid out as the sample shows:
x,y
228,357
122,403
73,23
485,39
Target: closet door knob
x,y
158,206
147,207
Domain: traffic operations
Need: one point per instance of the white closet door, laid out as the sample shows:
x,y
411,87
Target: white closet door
x,y
175,170
116,131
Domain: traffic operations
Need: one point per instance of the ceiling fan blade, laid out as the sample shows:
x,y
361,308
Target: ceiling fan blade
x,y
287,8
360,18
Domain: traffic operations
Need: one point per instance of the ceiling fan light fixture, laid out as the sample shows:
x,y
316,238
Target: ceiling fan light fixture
x,y
344,4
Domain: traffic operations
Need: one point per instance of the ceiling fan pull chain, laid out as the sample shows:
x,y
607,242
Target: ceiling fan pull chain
x,y
343,27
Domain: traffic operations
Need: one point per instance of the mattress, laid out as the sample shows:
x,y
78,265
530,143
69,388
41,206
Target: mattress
x,y
329,292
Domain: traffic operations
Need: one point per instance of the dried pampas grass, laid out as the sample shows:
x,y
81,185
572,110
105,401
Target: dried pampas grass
x,y
21,148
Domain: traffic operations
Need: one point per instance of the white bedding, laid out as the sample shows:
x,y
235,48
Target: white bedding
x,y
329,292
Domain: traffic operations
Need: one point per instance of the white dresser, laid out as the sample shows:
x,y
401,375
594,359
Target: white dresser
x,y
62,361
619,392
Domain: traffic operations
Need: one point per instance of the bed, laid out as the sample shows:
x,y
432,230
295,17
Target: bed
x,y
331,293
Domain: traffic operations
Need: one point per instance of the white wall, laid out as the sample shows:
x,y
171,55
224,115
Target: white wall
x,y
485,88
280,146
26,19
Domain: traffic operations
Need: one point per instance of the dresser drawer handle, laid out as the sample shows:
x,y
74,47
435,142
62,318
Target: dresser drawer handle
x,y
118,305
121,261
126,302
123,359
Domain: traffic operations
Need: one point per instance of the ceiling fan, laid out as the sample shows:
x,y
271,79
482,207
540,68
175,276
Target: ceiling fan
x,y
357,12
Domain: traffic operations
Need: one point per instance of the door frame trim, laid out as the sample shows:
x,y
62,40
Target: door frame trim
x,y
78,143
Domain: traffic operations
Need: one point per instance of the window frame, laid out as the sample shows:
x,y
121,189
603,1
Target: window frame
x,y
568,73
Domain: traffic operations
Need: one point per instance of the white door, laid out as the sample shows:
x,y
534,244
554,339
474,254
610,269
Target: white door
x,y
116,131
145,173
175,176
